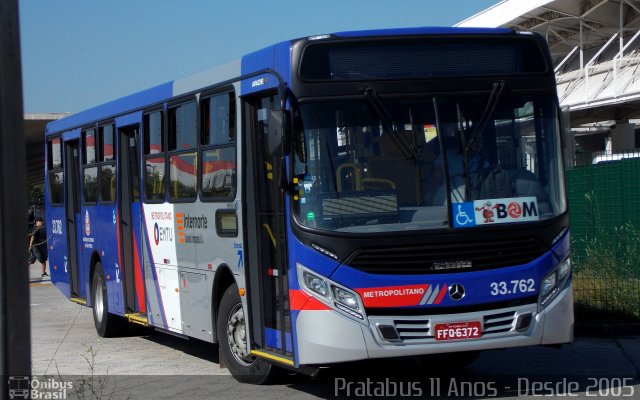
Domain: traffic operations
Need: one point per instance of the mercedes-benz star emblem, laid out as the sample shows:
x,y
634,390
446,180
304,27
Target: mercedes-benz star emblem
x,y
456,292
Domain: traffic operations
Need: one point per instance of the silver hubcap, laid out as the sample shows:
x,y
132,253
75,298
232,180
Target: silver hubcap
x,y
237,336
98,305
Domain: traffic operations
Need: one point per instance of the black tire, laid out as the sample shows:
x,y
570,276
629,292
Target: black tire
x,y
107,324
232,342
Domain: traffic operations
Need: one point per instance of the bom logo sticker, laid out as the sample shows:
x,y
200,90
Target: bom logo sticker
x,y
495,211
514,210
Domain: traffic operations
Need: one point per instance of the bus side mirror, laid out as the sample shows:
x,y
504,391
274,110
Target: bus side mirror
x,y
278,132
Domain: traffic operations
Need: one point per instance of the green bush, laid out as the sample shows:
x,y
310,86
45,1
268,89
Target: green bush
x,y
607,273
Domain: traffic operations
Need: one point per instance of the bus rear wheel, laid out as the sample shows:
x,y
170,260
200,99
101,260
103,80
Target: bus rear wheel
x,y
232,340
107,325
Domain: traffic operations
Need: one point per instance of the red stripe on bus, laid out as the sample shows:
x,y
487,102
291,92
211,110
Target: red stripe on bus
x,y
299,300
392,296
315,305
140,293
441,295
118,236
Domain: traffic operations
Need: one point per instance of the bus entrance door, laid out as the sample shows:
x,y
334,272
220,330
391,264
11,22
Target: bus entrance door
x,y
72,216
270,318
129,232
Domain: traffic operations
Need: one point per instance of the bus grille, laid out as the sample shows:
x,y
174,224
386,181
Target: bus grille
x,y
498,323
446,257
413,329
418,329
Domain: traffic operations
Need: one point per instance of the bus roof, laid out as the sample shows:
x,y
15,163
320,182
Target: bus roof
x,y
169,90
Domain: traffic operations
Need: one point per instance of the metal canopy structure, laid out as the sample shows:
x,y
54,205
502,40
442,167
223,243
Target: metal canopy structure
x,y
595,47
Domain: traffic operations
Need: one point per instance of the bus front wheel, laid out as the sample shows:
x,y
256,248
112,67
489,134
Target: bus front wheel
x,y
232,340
107,325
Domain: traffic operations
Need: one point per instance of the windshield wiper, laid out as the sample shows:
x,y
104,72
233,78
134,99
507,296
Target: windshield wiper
x,y
465,153
489,108
387,122
478,128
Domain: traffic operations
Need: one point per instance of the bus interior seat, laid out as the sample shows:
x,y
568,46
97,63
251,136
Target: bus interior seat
x,y
458,192
496,184
391,166
349,177
378,184
526,184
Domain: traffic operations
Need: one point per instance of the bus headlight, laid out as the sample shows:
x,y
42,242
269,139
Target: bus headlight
x,y
316,284
548,284
345,297
553,283
564,268
336,296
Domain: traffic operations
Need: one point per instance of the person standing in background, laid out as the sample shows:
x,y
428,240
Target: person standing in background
x,y
38,244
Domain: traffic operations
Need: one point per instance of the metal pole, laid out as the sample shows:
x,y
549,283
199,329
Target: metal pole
x,y
620,53
15,335
581,49
621,28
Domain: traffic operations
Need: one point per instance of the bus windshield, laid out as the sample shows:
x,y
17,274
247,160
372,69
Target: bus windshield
x,y
373,164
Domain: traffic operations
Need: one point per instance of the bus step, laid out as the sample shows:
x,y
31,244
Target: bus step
x,y
273,357
138,318
82,302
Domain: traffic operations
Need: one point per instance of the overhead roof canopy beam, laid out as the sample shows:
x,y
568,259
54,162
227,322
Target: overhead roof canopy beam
x,y
568,14
560,36
590,6
630,4
595,28
561,63
629,43
602,49
593,69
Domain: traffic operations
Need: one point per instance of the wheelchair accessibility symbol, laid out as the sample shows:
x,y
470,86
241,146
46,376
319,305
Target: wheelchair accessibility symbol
x,y
463,215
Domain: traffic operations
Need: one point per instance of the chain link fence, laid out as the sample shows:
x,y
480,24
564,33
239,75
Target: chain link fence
x,y
604,202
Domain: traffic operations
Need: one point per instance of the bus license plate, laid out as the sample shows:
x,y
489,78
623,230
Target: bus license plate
x,y
458,330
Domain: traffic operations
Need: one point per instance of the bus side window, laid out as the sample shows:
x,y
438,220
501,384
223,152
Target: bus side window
x,y
89,167
56,176
154,158
107,163
183,156
218,161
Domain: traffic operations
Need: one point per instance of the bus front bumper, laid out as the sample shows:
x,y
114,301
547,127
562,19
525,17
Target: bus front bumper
x,y
325,337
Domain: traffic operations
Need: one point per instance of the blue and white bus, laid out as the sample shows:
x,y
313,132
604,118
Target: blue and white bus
x,y
327,199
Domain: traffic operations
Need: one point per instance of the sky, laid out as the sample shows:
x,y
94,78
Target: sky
x,y
80,53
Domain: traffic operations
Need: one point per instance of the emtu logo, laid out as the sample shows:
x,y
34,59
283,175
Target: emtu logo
x,y
156,234
180,225
162,234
